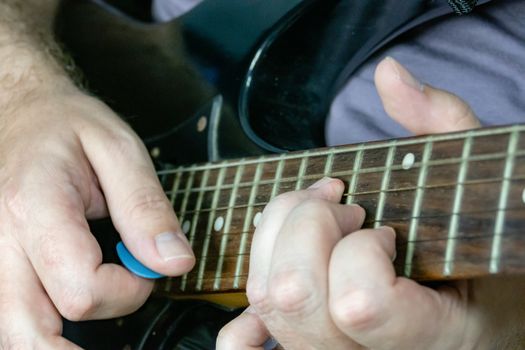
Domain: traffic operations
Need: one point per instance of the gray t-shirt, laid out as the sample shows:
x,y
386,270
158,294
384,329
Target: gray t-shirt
x,y
479,57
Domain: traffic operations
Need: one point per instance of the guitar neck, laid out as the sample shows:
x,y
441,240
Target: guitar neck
x,y
455,200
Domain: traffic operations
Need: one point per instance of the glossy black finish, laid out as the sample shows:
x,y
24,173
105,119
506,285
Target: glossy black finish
x,y
158,76
161,324
276,63
303,64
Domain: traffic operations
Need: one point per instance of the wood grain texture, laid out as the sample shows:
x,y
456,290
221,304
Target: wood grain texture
x,y
457,207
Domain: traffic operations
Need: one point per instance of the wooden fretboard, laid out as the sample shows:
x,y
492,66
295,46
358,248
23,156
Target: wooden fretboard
x,y
455,200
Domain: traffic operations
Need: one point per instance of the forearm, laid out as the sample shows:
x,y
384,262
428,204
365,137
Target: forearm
x,y
28,53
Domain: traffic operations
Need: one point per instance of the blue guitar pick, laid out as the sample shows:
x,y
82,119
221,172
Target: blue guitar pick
x,y
135,266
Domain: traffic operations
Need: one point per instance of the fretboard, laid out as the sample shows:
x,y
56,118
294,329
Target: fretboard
x,y
455,200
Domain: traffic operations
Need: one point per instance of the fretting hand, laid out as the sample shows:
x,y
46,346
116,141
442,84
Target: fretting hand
x,y
318,282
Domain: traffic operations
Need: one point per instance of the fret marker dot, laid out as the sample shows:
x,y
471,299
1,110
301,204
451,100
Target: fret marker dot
x,y
523,196
408,161
186,227
219,223
256,219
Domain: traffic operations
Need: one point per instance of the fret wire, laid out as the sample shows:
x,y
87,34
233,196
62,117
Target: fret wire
x,y
175,187
397,190
416,211
384,184
195,218
168,284
397,219
355,173
225,235
369,146
188,187
329,163
302,171
450,161
187,192
458,197
209,226
278,177
502,204
247,221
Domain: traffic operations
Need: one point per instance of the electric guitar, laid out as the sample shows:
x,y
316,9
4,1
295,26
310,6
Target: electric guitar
x,y
456,201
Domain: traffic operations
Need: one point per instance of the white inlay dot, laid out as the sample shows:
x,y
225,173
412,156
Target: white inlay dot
x,y
256,219
218,224
186,227
408,161
523,196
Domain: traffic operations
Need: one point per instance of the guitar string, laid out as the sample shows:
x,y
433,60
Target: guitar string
x,y
366,147
376,192
416,166
404,244
396,266
366,171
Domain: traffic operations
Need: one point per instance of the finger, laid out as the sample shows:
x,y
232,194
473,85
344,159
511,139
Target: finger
x,y
420,108
247,331
268,228
298,290
373,306
140,210
68,259
28,319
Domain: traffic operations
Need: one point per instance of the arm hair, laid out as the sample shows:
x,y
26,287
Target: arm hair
x,y
30,59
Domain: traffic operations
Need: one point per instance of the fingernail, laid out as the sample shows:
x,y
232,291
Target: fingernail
x,y
394,256
404,75
393,232
172,246
389,229
321,183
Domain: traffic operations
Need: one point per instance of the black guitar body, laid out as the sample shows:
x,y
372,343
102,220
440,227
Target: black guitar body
x,y
268,69
231,78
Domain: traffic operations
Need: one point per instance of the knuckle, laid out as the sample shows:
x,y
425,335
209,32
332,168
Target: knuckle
x,y
282,201
13,203
47,251
316,206
147,201
355,311
121,140
256,293
292,293
76,304
461,113
311,216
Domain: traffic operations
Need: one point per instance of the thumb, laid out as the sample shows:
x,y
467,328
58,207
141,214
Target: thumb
x,y
139,209
420,108
247,331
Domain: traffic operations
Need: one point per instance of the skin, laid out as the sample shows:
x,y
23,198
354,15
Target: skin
x,y
65,157
317,281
